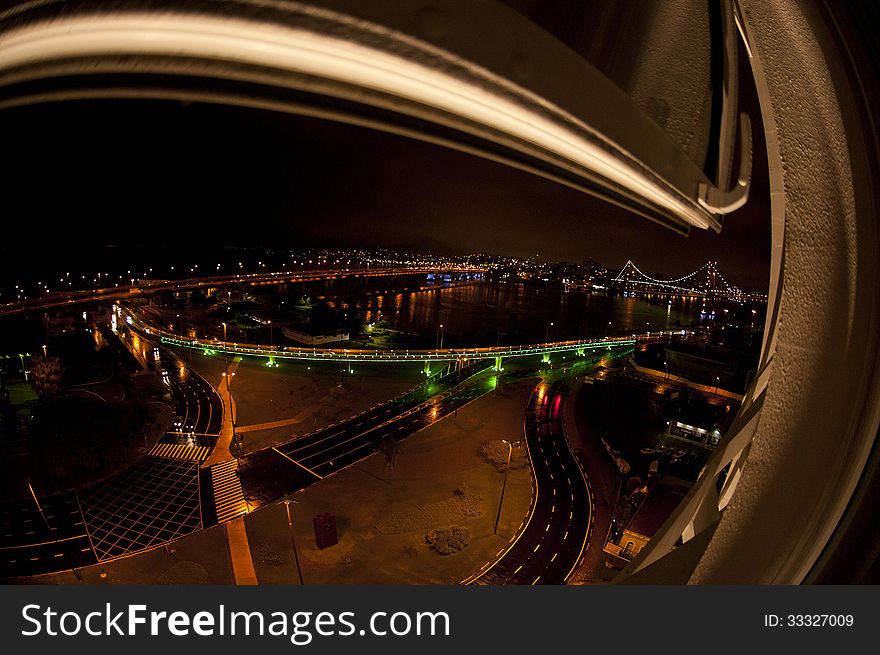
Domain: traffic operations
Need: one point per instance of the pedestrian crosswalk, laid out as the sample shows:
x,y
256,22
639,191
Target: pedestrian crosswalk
x,y
180,451
228,495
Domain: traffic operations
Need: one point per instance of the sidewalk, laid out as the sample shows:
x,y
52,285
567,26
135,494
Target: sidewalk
x,y
240,552
227,430
602,477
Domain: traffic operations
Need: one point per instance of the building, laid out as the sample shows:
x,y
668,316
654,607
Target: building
x,y
309,337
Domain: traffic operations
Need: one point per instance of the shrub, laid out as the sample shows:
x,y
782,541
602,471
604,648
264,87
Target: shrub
x,y
496,451
448,540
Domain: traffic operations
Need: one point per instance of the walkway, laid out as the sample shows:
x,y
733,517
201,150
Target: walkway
x,y
603,481
221,451
240,552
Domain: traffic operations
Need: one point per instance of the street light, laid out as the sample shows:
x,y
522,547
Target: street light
x,y
225,356
504,484
287,502
271,341
547,332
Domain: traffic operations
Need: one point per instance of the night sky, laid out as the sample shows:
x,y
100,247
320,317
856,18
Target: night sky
x,y
153,172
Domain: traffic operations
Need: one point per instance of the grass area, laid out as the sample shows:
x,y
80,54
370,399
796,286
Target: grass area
x,y
88,433
21,393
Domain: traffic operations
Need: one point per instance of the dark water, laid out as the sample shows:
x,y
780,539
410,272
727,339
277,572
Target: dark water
x,y
491,312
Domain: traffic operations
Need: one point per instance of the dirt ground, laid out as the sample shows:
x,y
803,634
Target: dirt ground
x,y
303,396
440,480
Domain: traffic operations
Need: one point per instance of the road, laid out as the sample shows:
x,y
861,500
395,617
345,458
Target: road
x,y
197,405
29,544
552,542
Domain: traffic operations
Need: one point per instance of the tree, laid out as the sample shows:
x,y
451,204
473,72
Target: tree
x,y
392,450
46,376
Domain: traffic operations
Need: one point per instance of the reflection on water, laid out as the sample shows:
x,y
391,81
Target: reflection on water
x,y
487,313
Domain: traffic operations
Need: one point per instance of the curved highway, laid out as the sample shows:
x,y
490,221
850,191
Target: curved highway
x,y
214,346
550,545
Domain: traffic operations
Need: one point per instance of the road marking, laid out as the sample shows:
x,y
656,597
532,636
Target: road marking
x,y
180,451
554,556
536,548
305,468
228,495
547,529
536,580
44,543
517,569
565,536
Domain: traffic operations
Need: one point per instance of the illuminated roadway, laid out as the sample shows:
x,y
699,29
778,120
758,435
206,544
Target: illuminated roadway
x,y
215,346
549,546
147,287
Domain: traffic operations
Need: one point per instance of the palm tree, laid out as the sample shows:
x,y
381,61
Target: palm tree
x,y
391,449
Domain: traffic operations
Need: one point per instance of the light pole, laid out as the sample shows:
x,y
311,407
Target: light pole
x,y
287,502
666,366
225,356
42,514
547,332
504,484
271,340
717,380
439,341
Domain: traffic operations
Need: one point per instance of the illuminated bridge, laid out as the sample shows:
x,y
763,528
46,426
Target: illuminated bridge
x,y
705,281
577,347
